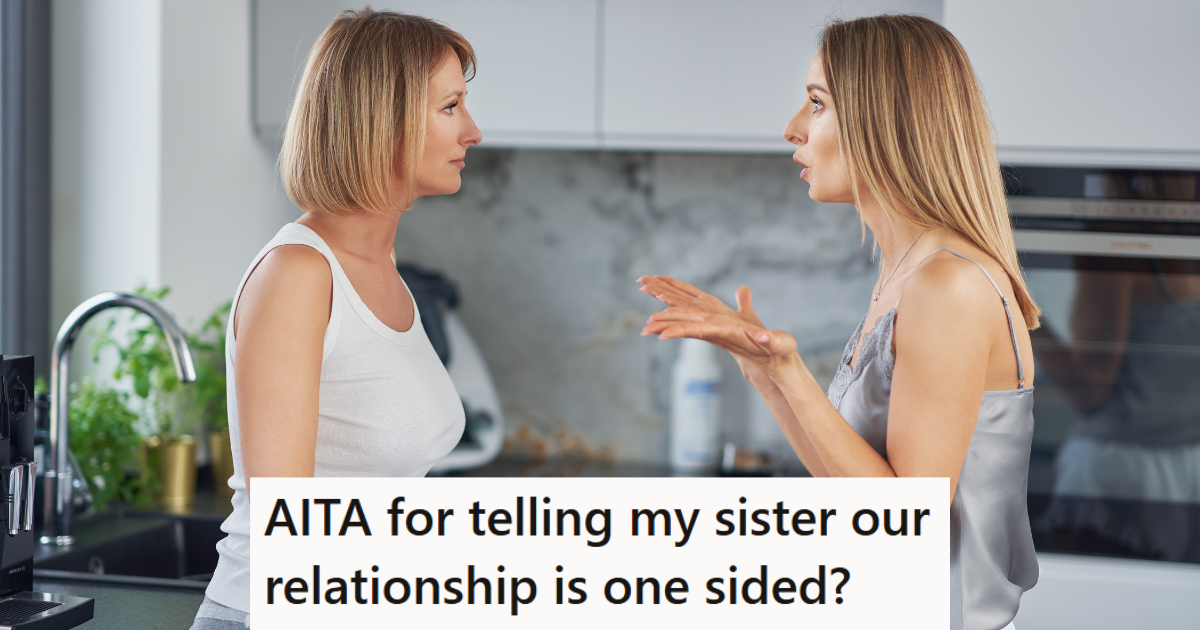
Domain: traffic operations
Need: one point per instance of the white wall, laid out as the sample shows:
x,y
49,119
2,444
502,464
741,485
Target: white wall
x,y
157,176
105,148
221,195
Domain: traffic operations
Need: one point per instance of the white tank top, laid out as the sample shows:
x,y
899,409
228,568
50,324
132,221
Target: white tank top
x,y
387,408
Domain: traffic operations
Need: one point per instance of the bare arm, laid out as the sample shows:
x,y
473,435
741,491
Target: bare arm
x,y
950,324
942,347
279,328
841,451
785,417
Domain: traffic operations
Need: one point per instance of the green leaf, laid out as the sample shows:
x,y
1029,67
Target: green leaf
x,y
104,442
144,361
141,383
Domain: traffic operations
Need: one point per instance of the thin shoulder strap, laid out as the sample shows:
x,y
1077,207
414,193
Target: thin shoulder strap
x,y
1007,313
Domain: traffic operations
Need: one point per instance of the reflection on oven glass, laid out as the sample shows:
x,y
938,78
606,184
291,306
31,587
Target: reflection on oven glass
x,y
1118,407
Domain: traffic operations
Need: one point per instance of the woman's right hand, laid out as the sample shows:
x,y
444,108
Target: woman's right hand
x,y
675,292
694,313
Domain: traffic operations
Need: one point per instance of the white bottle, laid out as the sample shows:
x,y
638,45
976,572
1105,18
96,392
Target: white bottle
x,y
695,407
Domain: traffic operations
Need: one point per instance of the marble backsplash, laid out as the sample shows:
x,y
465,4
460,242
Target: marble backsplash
x,y
545,247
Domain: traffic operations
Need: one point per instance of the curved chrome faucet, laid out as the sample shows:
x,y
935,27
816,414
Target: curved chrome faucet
x,y
56,522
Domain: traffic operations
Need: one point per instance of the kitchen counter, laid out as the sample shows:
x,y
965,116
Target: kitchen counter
x,y
136,602
130,607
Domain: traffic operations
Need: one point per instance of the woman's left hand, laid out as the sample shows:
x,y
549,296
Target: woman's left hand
x,y
691,313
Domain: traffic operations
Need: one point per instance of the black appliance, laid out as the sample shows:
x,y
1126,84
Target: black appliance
x,y
20,606
1113,258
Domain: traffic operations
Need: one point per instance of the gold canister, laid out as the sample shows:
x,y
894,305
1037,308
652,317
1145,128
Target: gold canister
x,y
174,462
220,452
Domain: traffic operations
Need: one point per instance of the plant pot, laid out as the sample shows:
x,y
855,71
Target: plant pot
x,y
174,462
220,452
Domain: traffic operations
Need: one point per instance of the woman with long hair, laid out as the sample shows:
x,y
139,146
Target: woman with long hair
x,y
937,380
330,373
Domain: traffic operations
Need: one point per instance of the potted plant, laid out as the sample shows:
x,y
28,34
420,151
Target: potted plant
x,y
169,412
105,443
172,413
208,350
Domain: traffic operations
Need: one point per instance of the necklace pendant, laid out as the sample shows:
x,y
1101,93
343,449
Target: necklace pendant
x,y
876,298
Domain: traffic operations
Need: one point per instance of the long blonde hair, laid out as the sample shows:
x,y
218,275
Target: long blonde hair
x,y
361,99
915,131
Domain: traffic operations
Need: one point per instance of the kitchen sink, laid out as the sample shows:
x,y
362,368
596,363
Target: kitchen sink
x,y
136,544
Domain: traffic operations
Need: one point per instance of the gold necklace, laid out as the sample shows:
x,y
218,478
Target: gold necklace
x,y
897,267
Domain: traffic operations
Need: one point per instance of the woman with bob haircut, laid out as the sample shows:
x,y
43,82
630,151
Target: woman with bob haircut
x,y
330,373
941,385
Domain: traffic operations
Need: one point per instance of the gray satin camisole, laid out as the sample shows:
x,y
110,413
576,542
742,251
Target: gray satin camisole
x,y
992,560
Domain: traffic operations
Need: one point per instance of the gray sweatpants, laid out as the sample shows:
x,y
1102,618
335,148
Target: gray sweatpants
x,y
213,616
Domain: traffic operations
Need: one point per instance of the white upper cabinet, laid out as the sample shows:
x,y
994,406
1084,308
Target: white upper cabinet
x,y
706,75
283,33
712,74
1068,82
536,81
1087,82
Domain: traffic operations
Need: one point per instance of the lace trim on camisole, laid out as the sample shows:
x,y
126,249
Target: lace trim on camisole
x,y
876,344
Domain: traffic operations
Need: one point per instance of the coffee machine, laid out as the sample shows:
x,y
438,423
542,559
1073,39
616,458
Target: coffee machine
x,y
20,606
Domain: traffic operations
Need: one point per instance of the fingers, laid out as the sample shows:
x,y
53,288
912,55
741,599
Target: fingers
x,y
667,284
670,298
693,314
662,321
680,285
680,313
655,328
678,293
673,315
773,342
672,283
659,282
745,301
725,331
729,337
665,291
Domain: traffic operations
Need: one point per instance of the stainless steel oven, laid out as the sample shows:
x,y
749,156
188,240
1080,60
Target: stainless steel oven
x,y
1113,259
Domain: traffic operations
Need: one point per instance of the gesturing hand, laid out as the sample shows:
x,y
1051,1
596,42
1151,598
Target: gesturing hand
x,y
695,314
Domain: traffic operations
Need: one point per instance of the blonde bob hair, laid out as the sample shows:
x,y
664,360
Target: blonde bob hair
x,y
914,131
358,120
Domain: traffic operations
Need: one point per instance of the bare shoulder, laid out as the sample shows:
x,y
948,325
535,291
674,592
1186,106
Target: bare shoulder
x,y
296,262
946,297
291,280
950,282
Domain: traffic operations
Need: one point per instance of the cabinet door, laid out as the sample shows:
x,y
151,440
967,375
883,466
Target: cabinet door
x,y
1087,82
283,31
712,74
536,81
